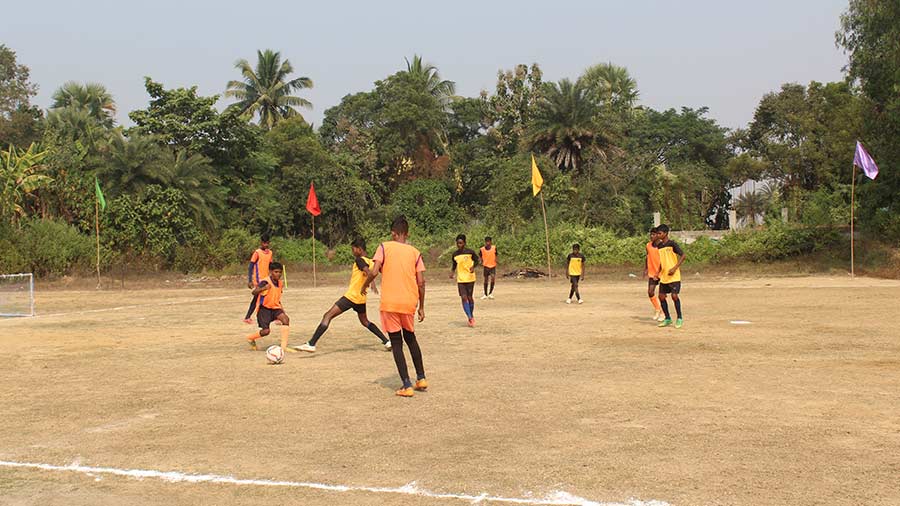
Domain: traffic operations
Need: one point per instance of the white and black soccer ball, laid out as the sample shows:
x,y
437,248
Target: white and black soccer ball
x,y
274,354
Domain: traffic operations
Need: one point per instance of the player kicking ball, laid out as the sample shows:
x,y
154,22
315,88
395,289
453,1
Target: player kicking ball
x,y
354,299
270,310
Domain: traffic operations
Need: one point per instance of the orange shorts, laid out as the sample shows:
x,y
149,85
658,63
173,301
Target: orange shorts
x,y
394,322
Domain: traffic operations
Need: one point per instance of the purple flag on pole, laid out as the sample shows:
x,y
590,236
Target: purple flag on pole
x,y
865,162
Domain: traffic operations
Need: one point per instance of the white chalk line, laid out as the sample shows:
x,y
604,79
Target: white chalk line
x,y
553,499
132,306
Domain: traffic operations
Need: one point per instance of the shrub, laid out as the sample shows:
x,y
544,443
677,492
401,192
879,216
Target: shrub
x,y
235,246
427,203
54,248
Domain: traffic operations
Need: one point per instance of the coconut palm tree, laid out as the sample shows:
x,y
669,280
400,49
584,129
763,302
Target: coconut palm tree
x,y
430,78
563,126
266,91
195,177
133,163
91,97
750,206
611,84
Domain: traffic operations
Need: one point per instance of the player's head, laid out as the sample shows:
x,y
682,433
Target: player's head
x,y
488,241
576,248
400,228
264,241
662,232
358,246
461,241
275,271
653,233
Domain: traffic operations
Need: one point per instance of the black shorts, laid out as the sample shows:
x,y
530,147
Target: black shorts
x,y
574,279
674,287
466,289
651,283
489,271
344,304
265,316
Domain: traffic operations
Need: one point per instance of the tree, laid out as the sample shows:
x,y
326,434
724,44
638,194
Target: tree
x,y
92,97
750,206
429,78
610,85
20,122
563,127
510,108
266,91
21,173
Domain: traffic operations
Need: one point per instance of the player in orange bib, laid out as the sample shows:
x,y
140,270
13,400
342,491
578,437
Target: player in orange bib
x,y
257,271
270,309
488,254
651,272
402,289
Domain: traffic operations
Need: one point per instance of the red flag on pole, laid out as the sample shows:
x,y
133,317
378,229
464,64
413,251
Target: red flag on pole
x,y
312,202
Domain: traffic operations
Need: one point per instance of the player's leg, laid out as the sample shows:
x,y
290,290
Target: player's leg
x,y
470,294
390,322
285,321
251,309
663,291
263,318
364,321
572,282
676,298
463,297
493,278
575,281
486,275
333,312
654,300
409,336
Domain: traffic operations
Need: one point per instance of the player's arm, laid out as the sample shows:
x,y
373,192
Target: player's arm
x,y
583,262
678,251
647,266
254,259
420,281
366,270
474,262
370,275
453,267
261,287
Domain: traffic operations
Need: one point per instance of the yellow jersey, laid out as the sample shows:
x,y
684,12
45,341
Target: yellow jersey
x,y
464,262
357,280
669,252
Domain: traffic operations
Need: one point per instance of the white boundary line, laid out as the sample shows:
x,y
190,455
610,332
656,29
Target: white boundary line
x,y
554,499
132,306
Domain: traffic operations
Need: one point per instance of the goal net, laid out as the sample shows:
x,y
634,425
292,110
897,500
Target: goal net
x,y
16,295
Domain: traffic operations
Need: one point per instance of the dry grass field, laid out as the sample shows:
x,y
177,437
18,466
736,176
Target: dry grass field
x,y
541,403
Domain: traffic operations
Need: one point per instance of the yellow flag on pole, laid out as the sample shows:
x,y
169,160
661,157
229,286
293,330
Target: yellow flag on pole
x,y
536,180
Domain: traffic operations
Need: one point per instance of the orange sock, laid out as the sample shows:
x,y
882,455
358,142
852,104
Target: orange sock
x,y
655,301
285,332
253,337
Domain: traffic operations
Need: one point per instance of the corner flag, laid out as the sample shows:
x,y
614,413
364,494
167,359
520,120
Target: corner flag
x,y
865,162
536,180
312,202
99,194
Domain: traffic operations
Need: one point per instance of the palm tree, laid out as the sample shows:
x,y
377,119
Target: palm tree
x,y
266,90
91,97
133,164
195,177
611,84
430,78
20,176
563,126
750,206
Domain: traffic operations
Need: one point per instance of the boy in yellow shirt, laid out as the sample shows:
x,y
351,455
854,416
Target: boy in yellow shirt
x,y
463,268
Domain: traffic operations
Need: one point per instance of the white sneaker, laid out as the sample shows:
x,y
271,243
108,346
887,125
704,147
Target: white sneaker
x,y
387,346
568,301
483,297
581,301
491,296
305,347
656,316
660,316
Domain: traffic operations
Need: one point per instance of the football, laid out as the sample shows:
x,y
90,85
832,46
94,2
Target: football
x,y
274,354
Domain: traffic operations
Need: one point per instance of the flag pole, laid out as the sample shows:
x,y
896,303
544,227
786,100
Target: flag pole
x,y
97,227
546,234
852,238
314,249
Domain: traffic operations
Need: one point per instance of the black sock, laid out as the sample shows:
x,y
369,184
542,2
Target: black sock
x,y
678,307
375,330
399,359
415,352
472,308
492,287
318,333
251,308
665,306
571,291
485,287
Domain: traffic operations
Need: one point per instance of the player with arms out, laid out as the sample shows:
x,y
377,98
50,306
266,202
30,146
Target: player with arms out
x,y
488,254
575,271
670,259
651,272
353,299
402,289
258,270
270,310
463,268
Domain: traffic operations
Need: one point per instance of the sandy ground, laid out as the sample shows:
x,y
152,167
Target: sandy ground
x,y
800,407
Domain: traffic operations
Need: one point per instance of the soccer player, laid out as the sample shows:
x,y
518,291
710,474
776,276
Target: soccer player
x,y
651,272
353,299
402,288
270,309
464,262
488,254
670,259
575,270
257,270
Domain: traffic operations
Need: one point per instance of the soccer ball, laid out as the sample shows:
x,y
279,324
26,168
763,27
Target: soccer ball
x,y
274,354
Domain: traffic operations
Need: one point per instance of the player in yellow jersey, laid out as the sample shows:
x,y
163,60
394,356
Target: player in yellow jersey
x,y
575,271
353,299
670,259
463,269
270,310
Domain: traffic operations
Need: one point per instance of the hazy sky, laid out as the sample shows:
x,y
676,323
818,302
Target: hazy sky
x,y
724,54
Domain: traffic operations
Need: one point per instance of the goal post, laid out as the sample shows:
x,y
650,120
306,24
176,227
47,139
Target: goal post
x,y
16,295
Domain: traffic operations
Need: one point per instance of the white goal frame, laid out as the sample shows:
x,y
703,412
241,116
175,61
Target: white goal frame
x,y
30,278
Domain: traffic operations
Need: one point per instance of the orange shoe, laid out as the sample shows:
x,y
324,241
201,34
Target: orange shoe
x,y
421,385
404,392
253,346
471,322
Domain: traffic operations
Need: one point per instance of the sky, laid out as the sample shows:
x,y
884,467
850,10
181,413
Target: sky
x,y
722,54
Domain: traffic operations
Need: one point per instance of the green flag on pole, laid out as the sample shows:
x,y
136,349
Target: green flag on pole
x,y
99,193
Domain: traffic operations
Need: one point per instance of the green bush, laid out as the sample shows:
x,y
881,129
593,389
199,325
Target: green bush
x,y
54,248
299,251
235,246
429,204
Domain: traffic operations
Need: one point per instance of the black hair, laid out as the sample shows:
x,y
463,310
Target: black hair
x,y
275,266
663,229
576,246
488,238
264,238
654,230
461,237
400,225
359,242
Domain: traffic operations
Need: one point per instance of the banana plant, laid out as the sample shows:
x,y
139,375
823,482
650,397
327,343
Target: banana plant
x,y
20,176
